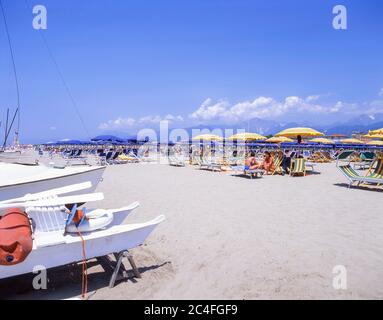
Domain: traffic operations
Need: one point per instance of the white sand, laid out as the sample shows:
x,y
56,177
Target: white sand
x,y
230,237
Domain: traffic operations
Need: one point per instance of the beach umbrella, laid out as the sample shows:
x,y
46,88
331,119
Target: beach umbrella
x,y
377,131
279,140
322,140
207,137
374,136
247,136
351,141
375,143
303,132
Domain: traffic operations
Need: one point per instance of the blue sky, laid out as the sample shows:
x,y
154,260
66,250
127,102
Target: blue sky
x,y
130,64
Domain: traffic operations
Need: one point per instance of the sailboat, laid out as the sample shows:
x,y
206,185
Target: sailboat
x,y
17,180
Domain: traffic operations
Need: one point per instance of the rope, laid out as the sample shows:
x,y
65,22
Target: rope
x,y
61,76
84,276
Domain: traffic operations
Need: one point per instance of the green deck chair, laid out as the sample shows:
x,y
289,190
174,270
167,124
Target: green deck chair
x,y
298,167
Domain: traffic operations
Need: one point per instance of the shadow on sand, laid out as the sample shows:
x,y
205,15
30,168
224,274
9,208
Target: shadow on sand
x,y
360,187
64,282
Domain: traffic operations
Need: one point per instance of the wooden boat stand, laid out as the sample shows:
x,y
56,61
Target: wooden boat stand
x,y
119,271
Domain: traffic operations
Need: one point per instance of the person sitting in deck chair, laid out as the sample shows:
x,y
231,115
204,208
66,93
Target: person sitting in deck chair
x,y
286,162
251,162
267,163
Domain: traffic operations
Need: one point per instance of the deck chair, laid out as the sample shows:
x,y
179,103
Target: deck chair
x,y
298,167
378,171
375,177
354,177
277,166
367,160
175,161
254,173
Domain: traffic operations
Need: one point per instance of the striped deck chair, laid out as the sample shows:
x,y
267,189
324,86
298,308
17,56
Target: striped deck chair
x,y
367,161
378,171
353,176
298,167
277,166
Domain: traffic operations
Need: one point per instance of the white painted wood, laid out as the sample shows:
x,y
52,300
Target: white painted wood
x,y
68,249
18,180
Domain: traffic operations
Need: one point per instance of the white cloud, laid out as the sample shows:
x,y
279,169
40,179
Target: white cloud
x,y
132,123
261,107
223,112
381,92
208,111
52,128
312,98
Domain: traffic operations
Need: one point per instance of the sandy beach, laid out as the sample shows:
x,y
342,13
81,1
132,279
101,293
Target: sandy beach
x,y
230,237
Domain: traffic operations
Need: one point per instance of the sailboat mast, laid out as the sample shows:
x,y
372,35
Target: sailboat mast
x,y
6,130
14,72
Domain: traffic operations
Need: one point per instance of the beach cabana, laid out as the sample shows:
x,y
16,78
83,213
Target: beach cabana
x,y
300,131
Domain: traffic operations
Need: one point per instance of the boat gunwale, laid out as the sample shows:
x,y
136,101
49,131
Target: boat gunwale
x,y
51,178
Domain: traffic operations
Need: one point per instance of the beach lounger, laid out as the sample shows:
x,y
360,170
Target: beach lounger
x,y
240,169
298,167
175,161
310,164
367,159
373,176
207,165
354,177
255,173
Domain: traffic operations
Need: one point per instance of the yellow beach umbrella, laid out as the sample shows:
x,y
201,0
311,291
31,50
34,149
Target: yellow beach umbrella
x,y
303,132
372,136
279,140
247,136
351,141
377,131
375,143
322,140
207,137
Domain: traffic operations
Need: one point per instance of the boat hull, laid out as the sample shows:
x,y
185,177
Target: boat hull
x,y
97,244
94,175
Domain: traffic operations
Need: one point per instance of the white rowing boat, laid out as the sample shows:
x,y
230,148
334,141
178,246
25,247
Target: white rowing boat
x,y
56,237
17,180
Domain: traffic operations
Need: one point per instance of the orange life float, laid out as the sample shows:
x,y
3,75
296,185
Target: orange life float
x,y
15,237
